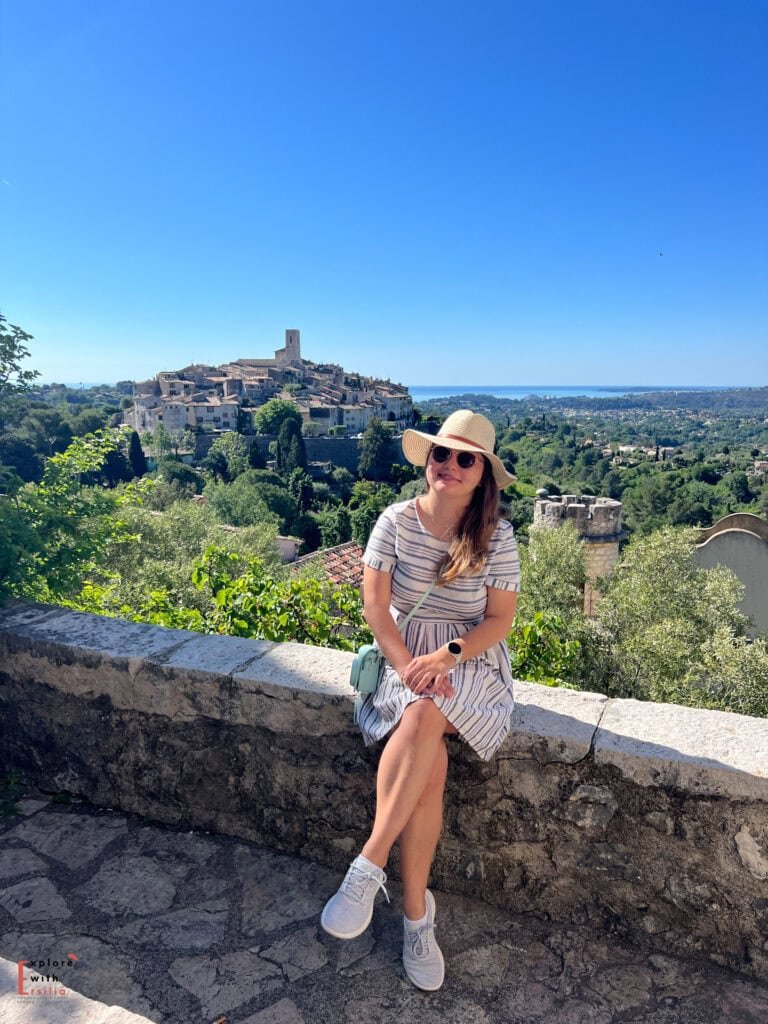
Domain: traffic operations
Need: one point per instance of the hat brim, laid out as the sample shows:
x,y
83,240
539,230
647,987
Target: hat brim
x,y
416,448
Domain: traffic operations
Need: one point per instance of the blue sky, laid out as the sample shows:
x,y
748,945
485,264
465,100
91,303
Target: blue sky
x,y
436,192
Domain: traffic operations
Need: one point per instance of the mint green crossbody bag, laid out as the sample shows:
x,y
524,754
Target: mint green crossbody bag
x,y
369,661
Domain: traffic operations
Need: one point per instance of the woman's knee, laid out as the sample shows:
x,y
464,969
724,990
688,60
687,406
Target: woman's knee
x,y
424,718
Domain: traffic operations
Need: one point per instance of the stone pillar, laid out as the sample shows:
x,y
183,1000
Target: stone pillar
x,y
598,523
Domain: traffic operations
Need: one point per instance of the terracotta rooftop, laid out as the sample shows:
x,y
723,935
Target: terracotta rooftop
x,y
341,564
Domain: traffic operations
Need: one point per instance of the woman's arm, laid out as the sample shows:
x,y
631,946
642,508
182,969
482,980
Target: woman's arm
x,y
429,673
377,597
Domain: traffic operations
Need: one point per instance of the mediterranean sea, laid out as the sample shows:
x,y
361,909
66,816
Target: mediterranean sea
x,y
422,392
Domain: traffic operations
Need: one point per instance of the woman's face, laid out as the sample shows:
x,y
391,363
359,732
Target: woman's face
x,y
448,478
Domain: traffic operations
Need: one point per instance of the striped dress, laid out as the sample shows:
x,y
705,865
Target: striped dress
x,y
481,708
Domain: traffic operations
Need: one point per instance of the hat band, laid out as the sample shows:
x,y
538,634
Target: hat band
x,y
465,440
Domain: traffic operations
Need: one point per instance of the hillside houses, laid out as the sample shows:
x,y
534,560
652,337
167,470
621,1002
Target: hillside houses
x,y
211,397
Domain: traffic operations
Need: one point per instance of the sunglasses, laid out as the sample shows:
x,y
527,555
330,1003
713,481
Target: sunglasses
x,y
465,460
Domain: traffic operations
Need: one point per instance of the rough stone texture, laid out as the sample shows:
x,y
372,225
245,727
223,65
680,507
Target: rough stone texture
x,y
593,517
260,966
704,753
647,821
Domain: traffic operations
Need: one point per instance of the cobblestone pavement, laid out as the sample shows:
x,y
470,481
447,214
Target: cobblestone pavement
x,y
190,928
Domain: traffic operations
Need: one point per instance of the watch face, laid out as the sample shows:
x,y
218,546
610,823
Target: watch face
x,y
454,648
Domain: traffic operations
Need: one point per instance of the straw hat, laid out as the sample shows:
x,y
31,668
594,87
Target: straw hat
x,y
463,431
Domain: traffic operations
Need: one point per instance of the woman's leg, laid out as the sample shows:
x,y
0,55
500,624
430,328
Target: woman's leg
x,y
418,840
406,767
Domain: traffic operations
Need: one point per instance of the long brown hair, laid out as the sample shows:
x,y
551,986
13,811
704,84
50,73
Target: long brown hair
x,y
468,549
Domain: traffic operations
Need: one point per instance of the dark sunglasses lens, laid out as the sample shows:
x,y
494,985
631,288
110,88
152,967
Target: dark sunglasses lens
x,y
465,459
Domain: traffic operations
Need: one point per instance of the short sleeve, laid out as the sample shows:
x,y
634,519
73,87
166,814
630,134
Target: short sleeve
x,y
380,550
503,559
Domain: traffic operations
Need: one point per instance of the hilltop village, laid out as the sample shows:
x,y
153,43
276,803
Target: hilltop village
x,y
331,400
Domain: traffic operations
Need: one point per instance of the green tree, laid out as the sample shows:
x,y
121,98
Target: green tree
x,y
158,553
268,418
657,617
162,441
136,455
51,533
290,452
174,471
48,430
300,488
20,456
235,450
254,604
116,469
376,451
335,527
13,351
553,571
88,421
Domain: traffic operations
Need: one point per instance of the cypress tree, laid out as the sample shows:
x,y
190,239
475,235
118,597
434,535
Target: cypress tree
x,y
136,455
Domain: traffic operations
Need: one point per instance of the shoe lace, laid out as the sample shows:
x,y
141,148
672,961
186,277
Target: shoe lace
x,y
357,881
419,940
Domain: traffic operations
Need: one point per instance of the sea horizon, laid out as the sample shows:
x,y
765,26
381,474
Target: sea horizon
x,y
425,392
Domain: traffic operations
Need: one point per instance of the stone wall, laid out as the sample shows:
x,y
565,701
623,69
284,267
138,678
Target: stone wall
x,y
641,819
341,451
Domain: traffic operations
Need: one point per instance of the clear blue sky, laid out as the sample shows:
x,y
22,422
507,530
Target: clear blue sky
x,y
439,192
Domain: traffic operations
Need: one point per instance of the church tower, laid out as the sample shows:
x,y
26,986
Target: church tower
x,y
291,354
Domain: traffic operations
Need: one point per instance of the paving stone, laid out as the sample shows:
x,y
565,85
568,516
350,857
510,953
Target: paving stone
x,y
407,1005
354,950
133,885
268,902
744,1002
191,928
189,845
481,969
72,839
35,899
298,955
15,863
224,983
30,807
282,1012
623,988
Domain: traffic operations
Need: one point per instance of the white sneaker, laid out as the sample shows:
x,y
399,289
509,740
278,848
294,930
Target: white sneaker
x,y
349,912
422,959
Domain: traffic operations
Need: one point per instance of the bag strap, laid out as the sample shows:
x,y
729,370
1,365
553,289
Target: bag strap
x,y
401,625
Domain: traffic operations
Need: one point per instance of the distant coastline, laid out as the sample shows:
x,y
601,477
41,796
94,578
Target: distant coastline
x,y
423,393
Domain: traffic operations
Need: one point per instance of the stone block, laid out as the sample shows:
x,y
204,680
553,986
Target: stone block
x,y
704,753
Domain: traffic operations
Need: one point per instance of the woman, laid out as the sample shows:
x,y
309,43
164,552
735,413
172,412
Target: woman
x,y
448,673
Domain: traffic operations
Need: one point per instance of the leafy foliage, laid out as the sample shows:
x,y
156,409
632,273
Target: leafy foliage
x,y
13,351
51,533
268,418
376,451
540,649
255,604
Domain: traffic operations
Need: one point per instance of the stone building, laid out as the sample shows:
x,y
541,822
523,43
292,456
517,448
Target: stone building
x,y
740,543
598,523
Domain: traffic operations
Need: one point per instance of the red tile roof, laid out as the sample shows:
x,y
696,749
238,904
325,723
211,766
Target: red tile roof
x,y
341,564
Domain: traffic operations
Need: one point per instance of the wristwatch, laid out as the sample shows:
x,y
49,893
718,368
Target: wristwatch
x,y
456,650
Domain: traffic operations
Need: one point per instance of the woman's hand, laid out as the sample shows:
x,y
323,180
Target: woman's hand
x,y
429,673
